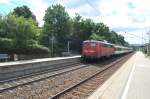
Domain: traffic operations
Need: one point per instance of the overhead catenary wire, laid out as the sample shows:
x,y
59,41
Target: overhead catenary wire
x,y
90,4
100,13
136,35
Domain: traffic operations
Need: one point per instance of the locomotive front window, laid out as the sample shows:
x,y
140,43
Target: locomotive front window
x,y
92,44
89,44
86,44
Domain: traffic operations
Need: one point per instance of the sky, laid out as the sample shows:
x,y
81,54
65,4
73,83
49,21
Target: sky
x,y
130,18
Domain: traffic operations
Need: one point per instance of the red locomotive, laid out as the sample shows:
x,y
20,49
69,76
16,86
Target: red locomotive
x,y
93,49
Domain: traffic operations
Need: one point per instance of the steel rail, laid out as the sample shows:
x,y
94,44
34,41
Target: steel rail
x,y
38,73
81,82
52,75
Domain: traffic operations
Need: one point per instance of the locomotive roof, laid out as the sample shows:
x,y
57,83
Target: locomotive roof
x,y
116,46
99,42
122,47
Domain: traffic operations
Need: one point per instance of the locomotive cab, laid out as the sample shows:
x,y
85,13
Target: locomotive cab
x,y
89,49
96,49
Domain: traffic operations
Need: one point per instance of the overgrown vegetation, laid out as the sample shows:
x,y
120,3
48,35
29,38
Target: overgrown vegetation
x,y
19,32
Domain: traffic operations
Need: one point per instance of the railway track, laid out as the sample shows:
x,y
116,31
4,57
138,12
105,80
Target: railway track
x,y
25,80
44,88
39,73
52,85
82,89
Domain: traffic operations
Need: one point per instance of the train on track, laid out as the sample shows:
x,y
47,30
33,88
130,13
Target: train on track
x,y
93,49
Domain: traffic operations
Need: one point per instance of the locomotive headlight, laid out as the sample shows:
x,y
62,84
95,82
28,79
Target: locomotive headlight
x,y
86,51
91,51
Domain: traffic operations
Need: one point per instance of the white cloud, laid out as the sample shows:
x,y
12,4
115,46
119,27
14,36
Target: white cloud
x,y
4,1
38,8
134,20
117,14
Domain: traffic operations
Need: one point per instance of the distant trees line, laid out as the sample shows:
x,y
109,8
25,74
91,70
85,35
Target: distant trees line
x,y
20,33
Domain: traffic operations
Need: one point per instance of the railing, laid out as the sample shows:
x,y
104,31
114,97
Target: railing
x,y
4,57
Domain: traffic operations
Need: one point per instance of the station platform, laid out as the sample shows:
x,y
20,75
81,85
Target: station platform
x,y
36,60
11,70
131,81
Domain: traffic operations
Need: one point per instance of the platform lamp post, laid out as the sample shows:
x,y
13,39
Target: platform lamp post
x,y
51,41
68,45
142,42
52,38
148,43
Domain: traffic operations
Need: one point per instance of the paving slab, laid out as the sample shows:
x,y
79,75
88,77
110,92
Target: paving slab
x,y
139,86
131,81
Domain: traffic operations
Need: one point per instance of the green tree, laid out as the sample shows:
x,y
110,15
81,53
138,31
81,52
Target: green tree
x,y
21,30
87,27
24,11
102,30
95,36
56,25
76,28
122,41
19,35
113,38
82,29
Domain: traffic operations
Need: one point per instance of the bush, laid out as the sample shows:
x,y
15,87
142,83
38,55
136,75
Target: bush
x,y
5,45
38,49
34,49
